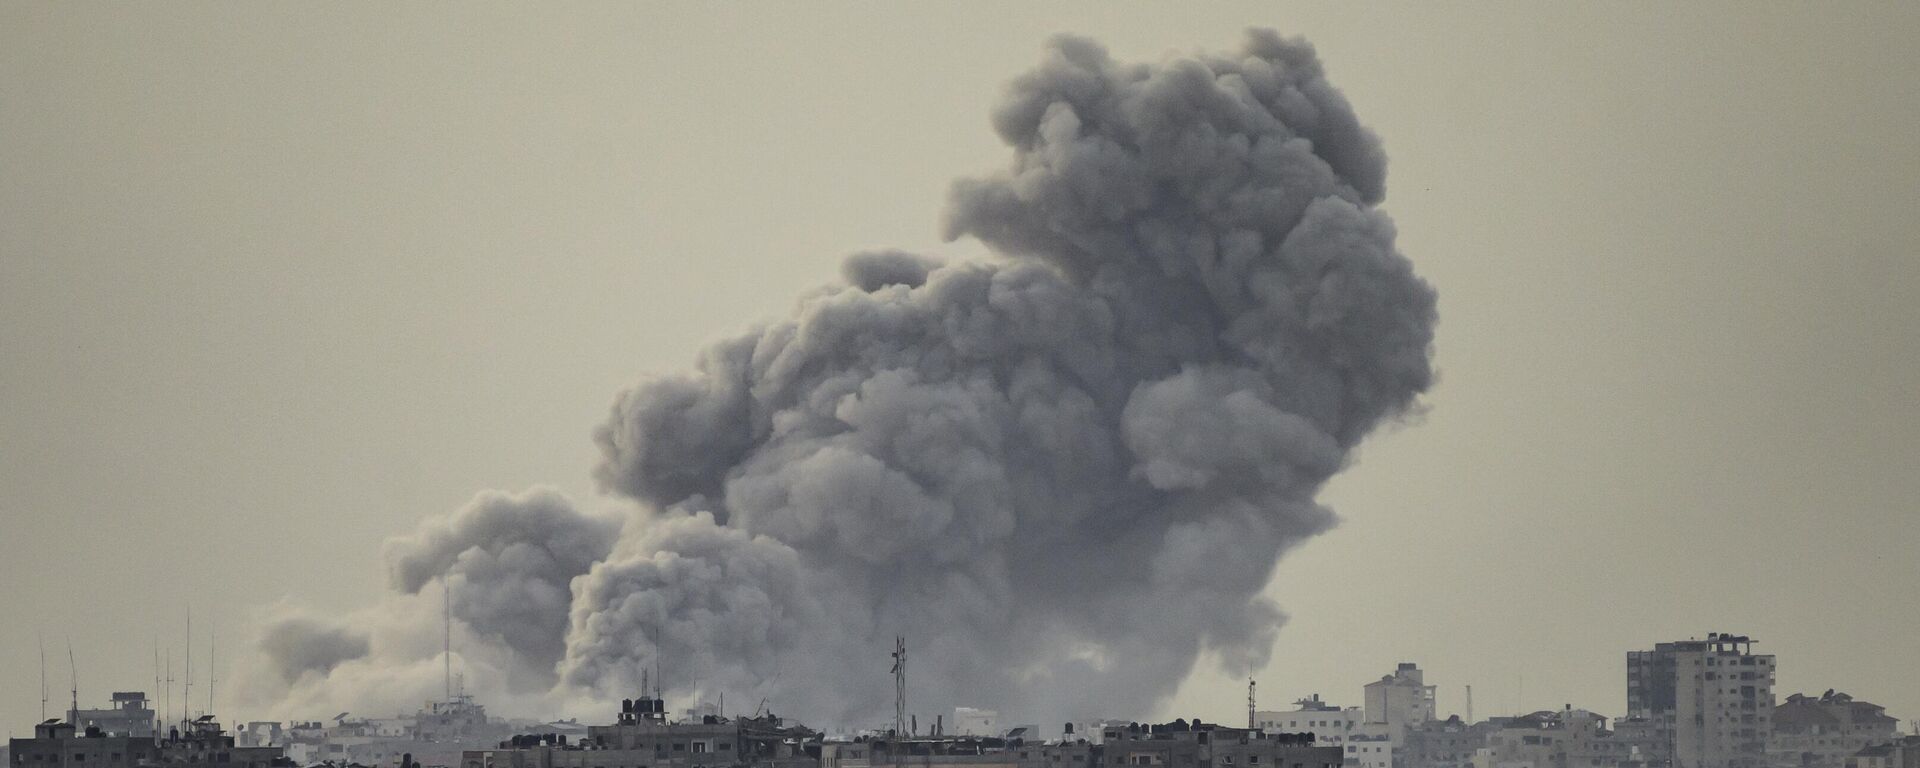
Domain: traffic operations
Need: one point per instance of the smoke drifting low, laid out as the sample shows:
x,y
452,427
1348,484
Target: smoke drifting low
x,y
1065,473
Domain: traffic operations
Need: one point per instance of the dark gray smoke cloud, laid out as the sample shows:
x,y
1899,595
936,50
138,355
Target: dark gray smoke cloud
x,y
1064,474
511,560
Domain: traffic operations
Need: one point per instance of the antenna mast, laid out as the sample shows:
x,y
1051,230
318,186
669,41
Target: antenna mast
x,y
213,647
1469,705
169,715
73,715
1250,718
156,667
43,678
186,693
900,685
446,585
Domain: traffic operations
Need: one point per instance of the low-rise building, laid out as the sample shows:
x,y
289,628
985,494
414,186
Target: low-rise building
x,y
1180,744
643,737
1824,731
60,745
1570,738
128,715
1449,743
1895,753
1329,724
968,721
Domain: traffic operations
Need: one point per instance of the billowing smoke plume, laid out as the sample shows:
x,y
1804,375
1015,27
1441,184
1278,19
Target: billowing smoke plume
x,y
1064,474
509,560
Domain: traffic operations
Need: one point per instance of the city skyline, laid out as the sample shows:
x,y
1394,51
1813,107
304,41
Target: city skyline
x,y
366,277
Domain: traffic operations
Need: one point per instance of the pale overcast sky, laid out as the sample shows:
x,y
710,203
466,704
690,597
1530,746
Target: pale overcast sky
x,y
279,280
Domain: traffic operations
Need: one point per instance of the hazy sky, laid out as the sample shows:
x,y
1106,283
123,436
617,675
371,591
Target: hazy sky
x,y
278,280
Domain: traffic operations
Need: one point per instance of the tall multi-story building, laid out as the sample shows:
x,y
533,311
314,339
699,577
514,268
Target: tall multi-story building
x,y
1705,703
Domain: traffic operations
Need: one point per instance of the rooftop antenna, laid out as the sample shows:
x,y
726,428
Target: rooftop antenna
x,y
169,705
156,666
186,693
213,647
73,670
43,678
900,685
1250,718
446,585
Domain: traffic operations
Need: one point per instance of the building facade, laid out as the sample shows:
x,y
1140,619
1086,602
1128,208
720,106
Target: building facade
x,y
1400,700
130,714
1823,731
1329,724
201,742
1707,703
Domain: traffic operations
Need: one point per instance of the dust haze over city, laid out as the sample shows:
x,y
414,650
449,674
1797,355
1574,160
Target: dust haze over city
x,y
473,377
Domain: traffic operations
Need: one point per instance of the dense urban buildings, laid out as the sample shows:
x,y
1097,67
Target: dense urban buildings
x,y
1690,704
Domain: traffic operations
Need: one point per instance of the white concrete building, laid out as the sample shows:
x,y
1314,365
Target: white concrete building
x,y
968,721
1400,700
1710,702
1329,724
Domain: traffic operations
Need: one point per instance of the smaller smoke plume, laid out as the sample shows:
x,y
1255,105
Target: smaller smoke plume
x,y
295,646
509,559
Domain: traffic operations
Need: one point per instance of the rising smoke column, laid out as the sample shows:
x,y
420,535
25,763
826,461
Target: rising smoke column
x,y
1064,473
